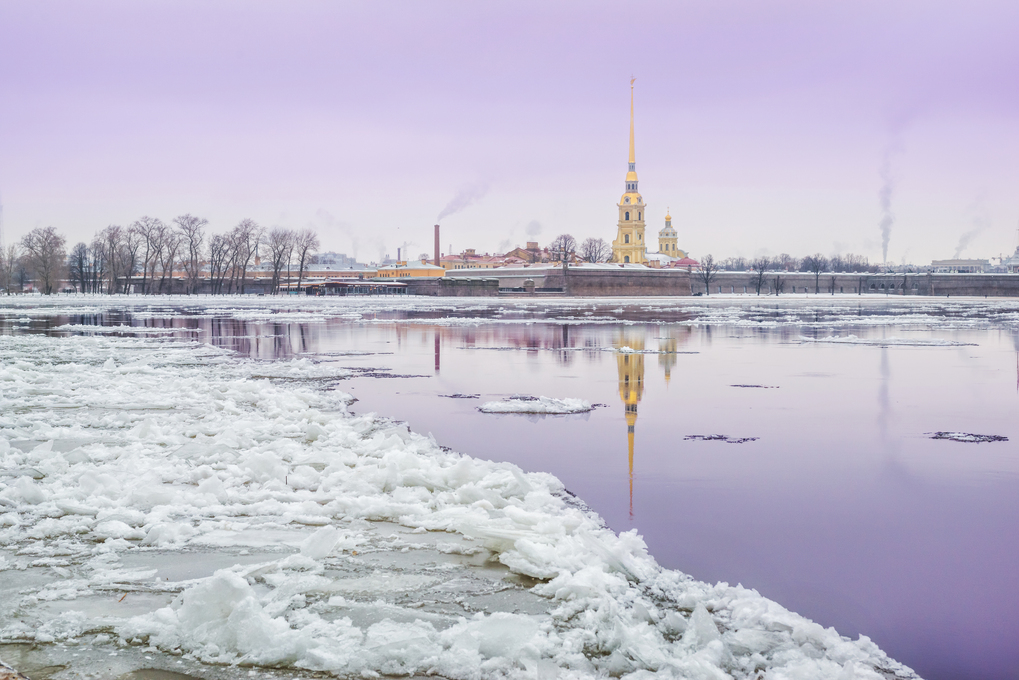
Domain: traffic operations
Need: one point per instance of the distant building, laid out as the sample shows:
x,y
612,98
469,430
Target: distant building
x,y
960,266
400,270
335,259
469,259
1011,264
668,247
531,254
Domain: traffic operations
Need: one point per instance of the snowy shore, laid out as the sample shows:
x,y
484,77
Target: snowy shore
x,y
247,518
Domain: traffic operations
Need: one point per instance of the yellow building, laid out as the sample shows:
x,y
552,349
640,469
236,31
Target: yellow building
x,y
668,240
405,269
629,245
630,364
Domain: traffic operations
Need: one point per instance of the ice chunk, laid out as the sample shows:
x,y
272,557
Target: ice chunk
x,y
320,543
536,405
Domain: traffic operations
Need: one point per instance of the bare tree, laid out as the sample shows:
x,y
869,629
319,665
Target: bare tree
x,y
8,266
150,230
595,250
110,239
192,233
97,264
305,243
760,267
245,236
78,266
735,264
816,264
45,254
220,253
786,262
130,245
280,243
708,272
563,247
170,245
779,284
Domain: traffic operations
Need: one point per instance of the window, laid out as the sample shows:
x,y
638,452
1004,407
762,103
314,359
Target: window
x,y
626,258
626,238
627,215
638,216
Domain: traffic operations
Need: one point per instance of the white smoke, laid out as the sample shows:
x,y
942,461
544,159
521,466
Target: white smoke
x,y
341,227
885,199
465,197
980,222
534,228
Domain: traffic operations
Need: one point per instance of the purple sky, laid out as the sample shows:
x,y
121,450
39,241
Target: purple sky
x,y
763,124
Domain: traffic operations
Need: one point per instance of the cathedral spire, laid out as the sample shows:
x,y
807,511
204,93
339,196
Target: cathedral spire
x,y
631,174
632,155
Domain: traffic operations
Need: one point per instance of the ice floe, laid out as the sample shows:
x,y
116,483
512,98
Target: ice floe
x,y
887,342
550,405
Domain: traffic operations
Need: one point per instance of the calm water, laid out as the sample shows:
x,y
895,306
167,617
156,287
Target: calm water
x,y
843,509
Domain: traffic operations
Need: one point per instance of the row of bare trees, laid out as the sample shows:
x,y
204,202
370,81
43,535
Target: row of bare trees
x,y
149,255
564,248
787,263
759,266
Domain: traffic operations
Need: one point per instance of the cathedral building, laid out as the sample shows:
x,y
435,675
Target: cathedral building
x,y
629,246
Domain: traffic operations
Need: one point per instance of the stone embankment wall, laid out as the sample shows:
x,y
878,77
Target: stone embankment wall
x,y
449,287
599,282
787,283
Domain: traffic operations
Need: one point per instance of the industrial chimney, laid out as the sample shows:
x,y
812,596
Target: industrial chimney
x,y
437,246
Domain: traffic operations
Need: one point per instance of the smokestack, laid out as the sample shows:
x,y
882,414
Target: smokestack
x,y
398,258
437,246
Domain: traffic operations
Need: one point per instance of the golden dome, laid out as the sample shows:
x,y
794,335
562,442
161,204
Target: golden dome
x,y
631,176
668,216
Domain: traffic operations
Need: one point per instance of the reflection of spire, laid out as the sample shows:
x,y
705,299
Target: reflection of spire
x,y
631,389
667,355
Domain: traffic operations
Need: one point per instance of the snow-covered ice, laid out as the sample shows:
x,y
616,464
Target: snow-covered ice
x,y
170,497
549,405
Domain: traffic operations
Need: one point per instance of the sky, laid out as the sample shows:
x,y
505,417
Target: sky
x,y
766,126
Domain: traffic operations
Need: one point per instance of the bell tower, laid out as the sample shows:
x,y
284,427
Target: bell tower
x,y
668,239
629,246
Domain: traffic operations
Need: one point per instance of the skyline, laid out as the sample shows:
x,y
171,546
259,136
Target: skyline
x,y
766,128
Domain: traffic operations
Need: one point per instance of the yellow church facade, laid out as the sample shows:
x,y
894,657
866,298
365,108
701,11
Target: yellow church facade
x,y
630,245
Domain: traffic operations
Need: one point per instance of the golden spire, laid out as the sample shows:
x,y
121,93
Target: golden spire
x,y
632,156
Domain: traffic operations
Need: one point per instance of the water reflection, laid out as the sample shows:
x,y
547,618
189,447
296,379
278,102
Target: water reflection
x,y
630,366
808,514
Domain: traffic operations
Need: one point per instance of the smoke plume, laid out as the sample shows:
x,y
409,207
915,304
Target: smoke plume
x,y
979,224
339,226
466,196
533,228
885,199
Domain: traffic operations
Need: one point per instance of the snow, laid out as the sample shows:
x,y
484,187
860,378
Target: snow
x,y
548,405
887,342
168,497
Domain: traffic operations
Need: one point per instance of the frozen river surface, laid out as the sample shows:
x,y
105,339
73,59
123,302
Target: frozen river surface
x,y
186,485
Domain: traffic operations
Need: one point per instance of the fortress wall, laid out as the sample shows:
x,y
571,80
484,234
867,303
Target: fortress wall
x,y
799,283
651,282
453,287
